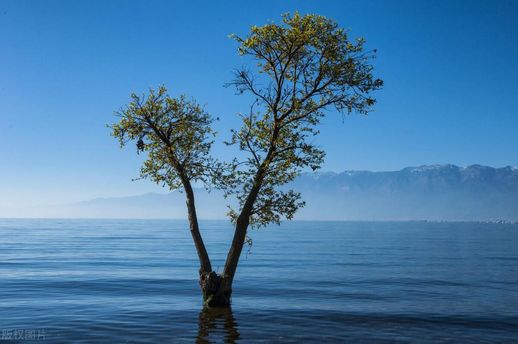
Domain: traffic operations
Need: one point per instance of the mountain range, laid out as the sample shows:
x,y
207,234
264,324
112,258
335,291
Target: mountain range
x,y
431,192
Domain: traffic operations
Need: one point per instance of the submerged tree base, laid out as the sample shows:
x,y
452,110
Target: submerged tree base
x,y
214,294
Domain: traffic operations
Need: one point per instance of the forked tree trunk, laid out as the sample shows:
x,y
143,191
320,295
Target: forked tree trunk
x,y
217,289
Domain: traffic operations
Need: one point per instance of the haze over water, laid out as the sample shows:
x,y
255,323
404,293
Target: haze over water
x,y
135,281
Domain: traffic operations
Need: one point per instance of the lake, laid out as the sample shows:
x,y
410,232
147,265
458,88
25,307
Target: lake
x,y
135,281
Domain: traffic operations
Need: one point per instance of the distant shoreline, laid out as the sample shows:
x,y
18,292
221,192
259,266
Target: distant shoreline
x,y
499,221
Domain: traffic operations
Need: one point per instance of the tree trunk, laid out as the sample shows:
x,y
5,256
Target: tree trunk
x,y
205,266
213,287
235,250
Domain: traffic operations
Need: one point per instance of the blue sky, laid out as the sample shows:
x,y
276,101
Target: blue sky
x,y
450,71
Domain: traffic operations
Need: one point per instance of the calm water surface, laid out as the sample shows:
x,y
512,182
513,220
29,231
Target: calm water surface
x,y
127,281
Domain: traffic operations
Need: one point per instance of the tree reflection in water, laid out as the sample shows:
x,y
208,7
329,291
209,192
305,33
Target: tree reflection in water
x,y
217,325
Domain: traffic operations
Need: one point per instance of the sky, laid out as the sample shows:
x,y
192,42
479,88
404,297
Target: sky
x,y
450,96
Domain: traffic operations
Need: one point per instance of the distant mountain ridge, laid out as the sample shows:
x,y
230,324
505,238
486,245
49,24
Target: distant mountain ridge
x,y
429,192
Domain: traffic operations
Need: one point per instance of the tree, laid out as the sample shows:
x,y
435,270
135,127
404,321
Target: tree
x,y
305,66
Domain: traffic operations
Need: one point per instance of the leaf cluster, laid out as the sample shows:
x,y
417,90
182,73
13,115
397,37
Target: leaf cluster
x,y
175,133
